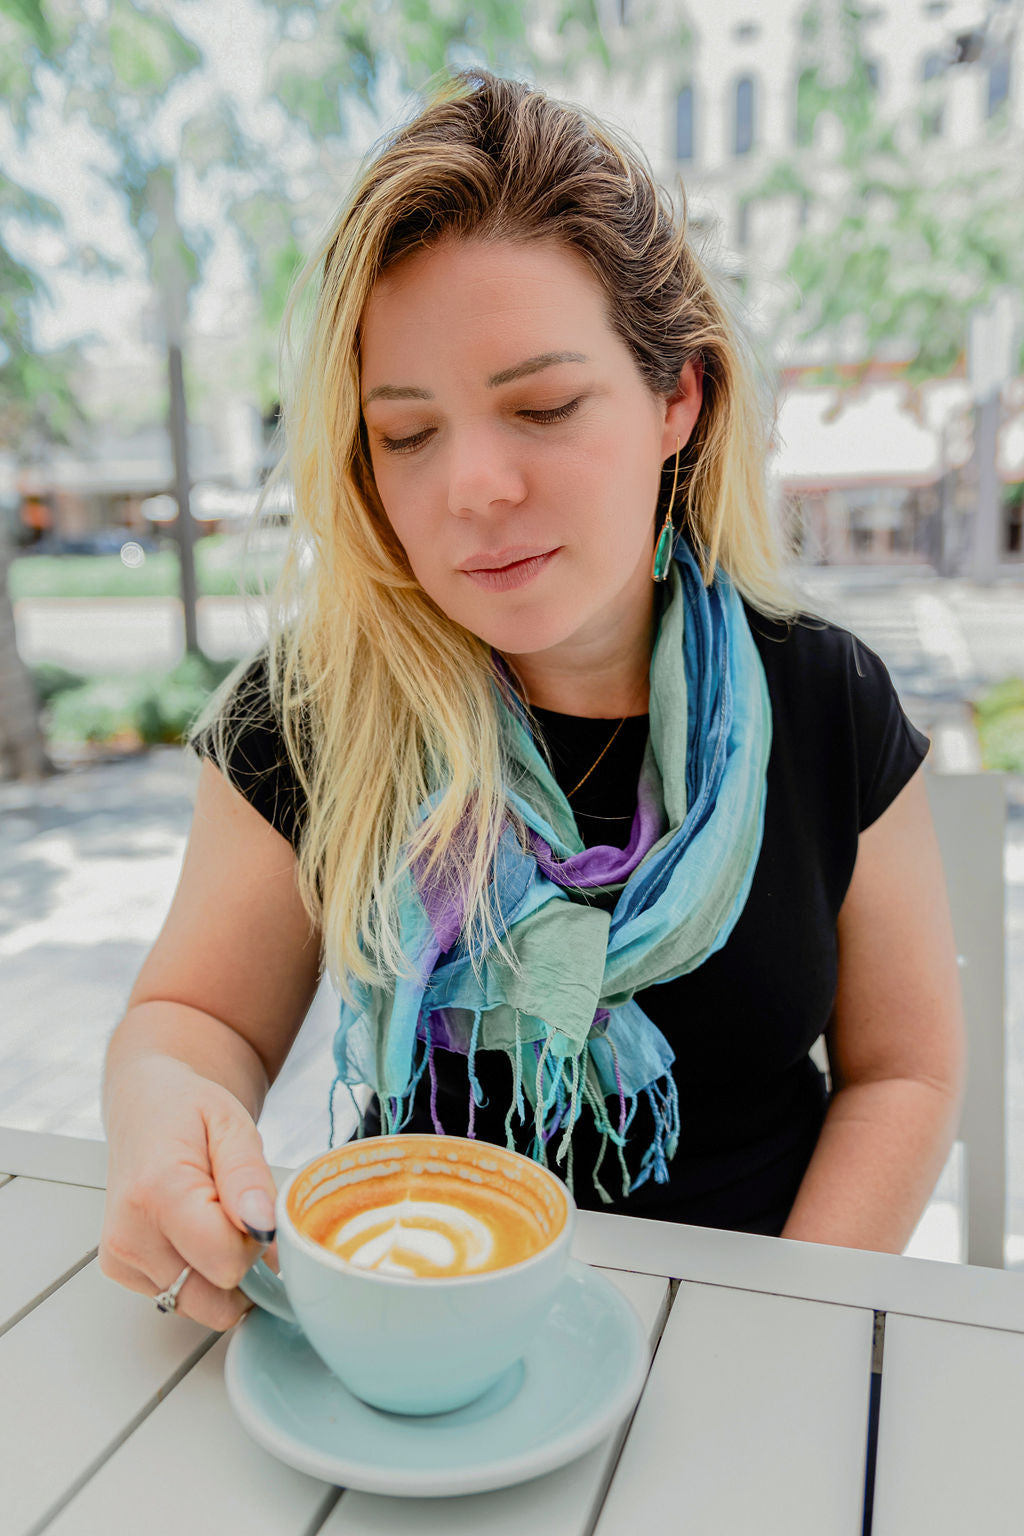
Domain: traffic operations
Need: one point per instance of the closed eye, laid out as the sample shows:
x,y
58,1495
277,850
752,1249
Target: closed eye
x,y
539,417
410,444
557,413
405,444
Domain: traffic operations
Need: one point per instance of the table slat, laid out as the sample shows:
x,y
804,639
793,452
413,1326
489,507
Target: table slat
x,y
851,1277
231,1483
962,1293
76,1371
753,1422
561,1503
53,1228
44,1155
950,1428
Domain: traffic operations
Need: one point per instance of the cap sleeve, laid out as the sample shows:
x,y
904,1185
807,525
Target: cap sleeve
x,y
890,748
256,760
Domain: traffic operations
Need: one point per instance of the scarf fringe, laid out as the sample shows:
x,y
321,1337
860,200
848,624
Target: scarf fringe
x,y
560,1085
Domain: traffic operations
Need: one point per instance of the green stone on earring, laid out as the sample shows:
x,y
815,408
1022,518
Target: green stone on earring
x,y
663,552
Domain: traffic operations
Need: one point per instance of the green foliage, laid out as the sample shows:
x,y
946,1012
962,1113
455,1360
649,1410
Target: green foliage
x,y
147,52
146,708
51,679
904,246
37,396
32,18
306,91
117,63
35,388
1005,696
999,718
213,138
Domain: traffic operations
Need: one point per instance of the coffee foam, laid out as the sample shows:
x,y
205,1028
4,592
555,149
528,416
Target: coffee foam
x,y
464,1210
412,1237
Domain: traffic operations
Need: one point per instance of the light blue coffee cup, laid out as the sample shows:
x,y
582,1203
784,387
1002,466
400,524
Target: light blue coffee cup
x,y
416,1345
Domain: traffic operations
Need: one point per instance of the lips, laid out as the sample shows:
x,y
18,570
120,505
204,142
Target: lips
x,y
501,559
518,571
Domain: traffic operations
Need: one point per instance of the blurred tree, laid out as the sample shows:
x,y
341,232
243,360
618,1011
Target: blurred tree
x,y
120,66
332,66
895,235
130,70
37,402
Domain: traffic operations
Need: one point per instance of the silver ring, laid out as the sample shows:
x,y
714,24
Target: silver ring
x,y
167,1301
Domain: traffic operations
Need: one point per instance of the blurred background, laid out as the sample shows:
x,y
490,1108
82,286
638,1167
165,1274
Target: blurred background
x,y
854,174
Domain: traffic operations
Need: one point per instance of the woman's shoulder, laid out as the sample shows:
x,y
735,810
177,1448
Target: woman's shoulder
x,y
242,704
810,656
834,702
242,734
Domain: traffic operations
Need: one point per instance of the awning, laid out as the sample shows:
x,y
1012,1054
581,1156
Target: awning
x,y
875,438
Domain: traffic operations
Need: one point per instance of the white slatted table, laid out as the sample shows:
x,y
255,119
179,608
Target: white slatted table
x,y
754,1419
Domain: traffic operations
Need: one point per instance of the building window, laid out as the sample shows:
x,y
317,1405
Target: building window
x,y
933,67
684,123
998,83
743,141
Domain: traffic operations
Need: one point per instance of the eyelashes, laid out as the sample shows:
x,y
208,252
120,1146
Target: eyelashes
x,y
541,418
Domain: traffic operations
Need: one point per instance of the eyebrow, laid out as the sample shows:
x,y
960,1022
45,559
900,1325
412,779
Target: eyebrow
x,y
506,376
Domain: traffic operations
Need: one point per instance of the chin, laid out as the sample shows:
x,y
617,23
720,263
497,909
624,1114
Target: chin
x,y
524,638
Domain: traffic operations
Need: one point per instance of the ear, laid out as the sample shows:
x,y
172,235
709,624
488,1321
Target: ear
x,y
683,407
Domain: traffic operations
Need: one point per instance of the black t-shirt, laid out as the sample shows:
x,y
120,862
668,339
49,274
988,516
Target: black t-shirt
x,y
741,1025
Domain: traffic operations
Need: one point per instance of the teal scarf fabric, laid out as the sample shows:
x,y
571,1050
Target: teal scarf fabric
x,y
566,1016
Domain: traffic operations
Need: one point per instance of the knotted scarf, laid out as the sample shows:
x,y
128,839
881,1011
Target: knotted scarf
x,y
566,1016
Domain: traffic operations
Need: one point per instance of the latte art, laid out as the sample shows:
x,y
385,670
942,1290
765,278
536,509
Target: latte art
x,y
414,1237
420,1207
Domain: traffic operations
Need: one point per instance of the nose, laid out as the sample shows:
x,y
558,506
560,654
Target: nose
x,y
483,472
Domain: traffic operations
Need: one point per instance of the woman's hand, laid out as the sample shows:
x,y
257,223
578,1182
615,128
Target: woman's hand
x,y
186,1174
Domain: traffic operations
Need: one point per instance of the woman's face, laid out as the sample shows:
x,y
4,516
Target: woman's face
x,y
516,448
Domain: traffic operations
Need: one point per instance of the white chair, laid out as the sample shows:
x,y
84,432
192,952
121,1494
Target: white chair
x,y
969,810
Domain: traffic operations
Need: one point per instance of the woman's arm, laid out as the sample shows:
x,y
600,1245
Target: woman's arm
x,y
896,1042
232,973
210,1021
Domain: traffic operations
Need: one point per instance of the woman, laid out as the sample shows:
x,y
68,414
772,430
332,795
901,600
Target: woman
x,y
596,834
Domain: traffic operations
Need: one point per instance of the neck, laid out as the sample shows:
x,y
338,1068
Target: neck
x,y
604,677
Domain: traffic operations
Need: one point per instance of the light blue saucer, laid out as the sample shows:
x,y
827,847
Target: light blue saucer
x,y
582,1375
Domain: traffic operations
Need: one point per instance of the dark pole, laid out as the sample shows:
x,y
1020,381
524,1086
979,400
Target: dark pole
x,y
168,264
184,527
987,522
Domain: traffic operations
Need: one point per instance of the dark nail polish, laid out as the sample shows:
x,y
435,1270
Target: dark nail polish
x,y
261,1237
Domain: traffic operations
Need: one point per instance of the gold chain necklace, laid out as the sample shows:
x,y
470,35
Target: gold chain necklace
x,y
598,758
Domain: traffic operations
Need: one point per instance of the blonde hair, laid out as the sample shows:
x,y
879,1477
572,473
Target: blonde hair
x,y
383,700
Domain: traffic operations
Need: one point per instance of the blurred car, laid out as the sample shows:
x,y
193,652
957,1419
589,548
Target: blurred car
x,y
97,541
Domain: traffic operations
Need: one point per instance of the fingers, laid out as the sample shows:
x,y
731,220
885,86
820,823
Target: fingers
x,y
245,1186
195,1190
156,1271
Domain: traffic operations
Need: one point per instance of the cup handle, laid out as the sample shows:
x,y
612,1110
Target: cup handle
x,y
267,1290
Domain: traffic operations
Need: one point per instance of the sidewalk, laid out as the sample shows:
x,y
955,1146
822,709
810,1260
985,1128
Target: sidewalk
x,y
88,865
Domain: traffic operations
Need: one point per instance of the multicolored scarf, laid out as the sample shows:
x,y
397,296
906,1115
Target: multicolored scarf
x,y
567,1016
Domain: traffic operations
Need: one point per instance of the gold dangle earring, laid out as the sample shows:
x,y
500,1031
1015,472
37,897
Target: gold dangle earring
x,y
663,548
